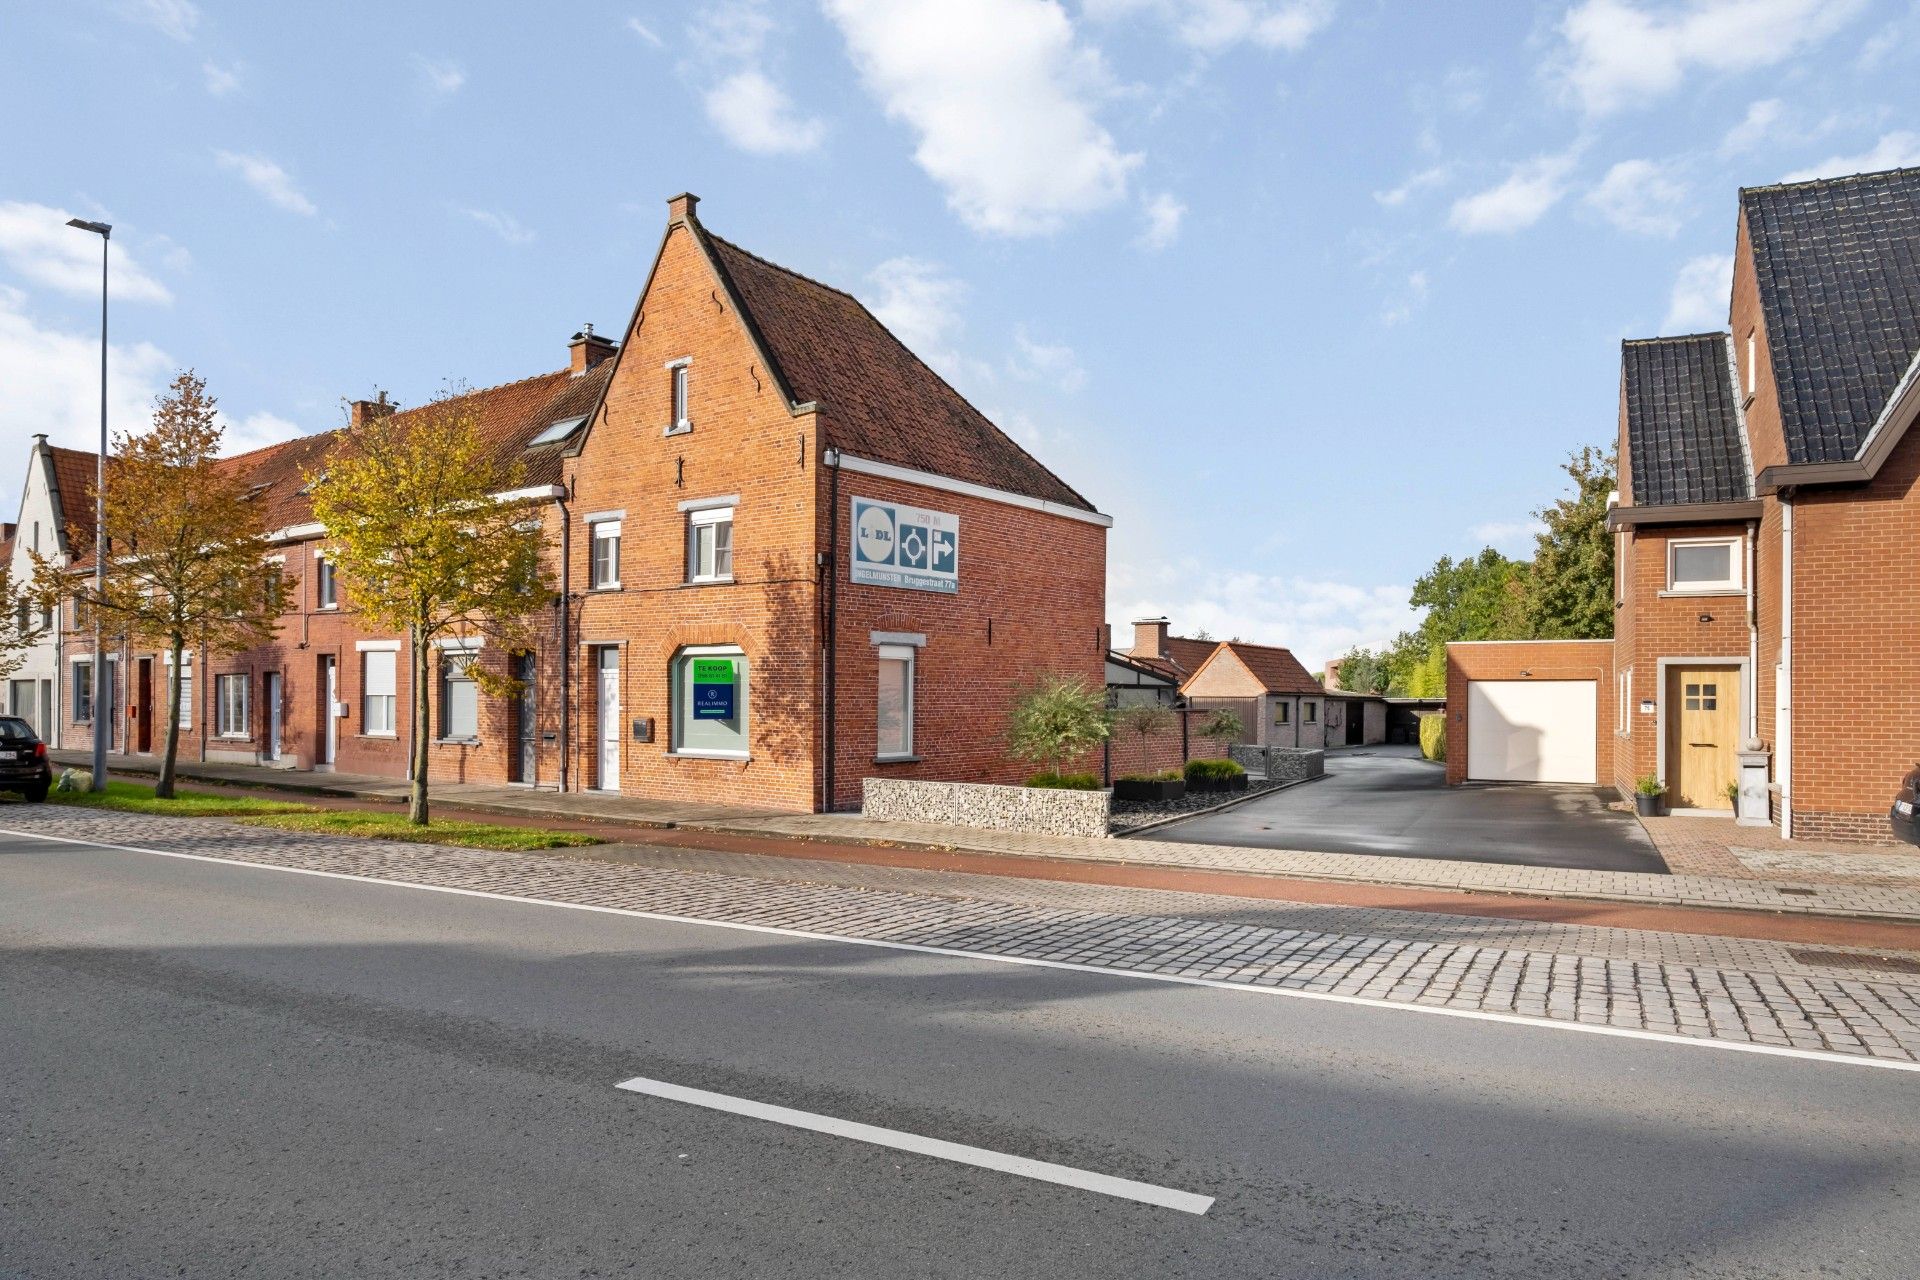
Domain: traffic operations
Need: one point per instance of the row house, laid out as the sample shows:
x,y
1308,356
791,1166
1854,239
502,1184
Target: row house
x,y
55,522
788,556
1766,654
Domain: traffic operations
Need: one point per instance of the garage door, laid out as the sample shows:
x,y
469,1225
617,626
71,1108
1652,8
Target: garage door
x,y
1530,730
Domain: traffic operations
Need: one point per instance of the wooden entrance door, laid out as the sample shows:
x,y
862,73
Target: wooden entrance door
x,y
1703,729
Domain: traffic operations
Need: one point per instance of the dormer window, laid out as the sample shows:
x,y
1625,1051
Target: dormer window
x,y
680,422
557,432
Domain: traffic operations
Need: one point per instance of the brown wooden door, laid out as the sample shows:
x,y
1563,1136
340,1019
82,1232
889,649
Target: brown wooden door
x,y
1703,727
143,707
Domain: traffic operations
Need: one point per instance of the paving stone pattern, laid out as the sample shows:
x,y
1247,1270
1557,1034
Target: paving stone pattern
x,y
1876,1017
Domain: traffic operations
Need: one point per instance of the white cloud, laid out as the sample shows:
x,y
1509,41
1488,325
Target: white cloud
x,y
1002,99
1757,127
1510,536
220,81
255,431
440,76
1412,298
1619,53
1530,189
1897,150
504,225
755,114
1051,363
1316,618
52,378
919,301
1641,196
268,179
645,32
174,18
1700,293
1415,183
1216,25
736,31
38,245
1164,215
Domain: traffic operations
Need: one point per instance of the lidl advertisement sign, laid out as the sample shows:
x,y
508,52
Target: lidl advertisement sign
x,y
901,546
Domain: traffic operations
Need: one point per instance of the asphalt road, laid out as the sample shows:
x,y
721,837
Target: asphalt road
x,y
1389,800
214,1071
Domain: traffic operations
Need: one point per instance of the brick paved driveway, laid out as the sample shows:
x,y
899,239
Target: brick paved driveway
x,y
1387,800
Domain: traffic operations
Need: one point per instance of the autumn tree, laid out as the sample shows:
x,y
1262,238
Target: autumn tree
x,y
424,544
186,547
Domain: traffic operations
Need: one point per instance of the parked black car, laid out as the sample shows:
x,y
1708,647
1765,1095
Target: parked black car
x,y
24,766
1904,817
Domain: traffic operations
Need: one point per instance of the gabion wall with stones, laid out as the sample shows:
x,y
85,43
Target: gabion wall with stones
x,y
1036,810
1281,764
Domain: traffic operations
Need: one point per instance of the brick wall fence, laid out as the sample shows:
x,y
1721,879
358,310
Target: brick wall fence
x,y
1130,753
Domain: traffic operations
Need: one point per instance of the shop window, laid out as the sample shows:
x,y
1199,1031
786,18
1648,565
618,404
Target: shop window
x,y
379,689
1703,565
710,545
604,572
459,698
710,701
231,719
895,702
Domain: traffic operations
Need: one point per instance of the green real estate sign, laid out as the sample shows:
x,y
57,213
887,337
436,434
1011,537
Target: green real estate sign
x,y
713,688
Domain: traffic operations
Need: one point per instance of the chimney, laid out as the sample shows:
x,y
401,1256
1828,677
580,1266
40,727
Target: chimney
x,y
588,349
361,412
680,208
1150,637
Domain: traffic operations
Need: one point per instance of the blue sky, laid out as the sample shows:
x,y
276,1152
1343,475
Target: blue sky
x,y
1305,293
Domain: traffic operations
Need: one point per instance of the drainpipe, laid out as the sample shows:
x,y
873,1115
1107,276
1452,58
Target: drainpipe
x,y
1783,694
566,644
832,458
1753,632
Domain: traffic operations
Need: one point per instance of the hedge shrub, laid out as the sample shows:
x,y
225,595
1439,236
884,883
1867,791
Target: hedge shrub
x,y
1066,781
1433,735
1213,770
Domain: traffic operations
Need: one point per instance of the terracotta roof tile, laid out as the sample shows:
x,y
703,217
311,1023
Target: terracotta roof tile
x,y
1275,668
880,401
73,476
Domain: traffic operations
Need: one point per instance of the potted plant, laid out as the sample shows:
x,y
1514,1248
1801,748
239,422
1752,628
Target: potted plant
x,y
1647,791
1149,788
1215,775
1059,718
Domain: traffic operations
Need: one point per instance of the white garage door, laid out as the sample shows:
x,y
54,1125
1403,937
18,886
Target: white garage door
x,y
1530,730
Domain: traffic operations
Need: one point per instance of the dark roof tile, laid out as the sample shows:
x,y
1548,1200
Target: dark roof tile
x,y
1683,430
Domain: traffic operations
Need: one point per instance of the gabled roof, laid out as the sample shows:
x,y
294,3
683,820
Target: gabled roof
x,y
1684,440
73,475
880,401
1277,670
1184,656
1838,263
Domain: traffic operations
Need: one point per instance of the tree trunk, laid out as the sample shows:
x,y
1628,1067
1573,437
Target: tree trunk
x,y
163,789
422,737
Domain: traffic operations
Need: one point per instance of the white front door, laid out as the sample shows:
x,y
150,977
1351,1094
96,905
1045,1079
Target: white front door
x,y
330,723
1531,730
607,775
271,692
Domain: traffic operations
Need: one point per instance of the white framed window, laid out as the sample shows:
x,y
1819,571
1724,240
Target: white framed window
x,y
710,545
459,696
679,421
1753,352
326,584
603,573
379,692
231,712
1623,682
186,687
894,704
710,697
1703,565
83,692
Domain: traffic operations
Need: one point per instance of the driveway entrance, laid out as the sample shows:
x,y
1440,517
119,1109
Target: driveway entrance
x,y
1388,800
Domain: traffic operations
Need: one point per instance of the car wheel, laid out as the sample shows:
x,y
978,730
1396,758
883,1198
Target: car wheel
x,y
36,795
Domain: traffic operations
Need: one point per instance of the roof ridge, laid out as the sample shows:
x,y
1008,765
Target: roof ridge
x,y
1717,334
1809,183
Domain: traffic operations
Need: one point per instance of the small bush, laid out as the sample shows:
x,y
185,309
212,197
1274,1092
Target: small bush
x,y
1433,735
1649,785
1169,775
1213,770
1066,781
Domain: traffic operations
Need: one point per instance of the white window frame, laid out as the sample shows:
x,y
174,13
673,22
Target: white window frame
x,y
709,518
1623,720
1753,352
326,582
454,657
83,707
681,713
909,655
598,532
186,687
386,724
679,396
1729,586
224,720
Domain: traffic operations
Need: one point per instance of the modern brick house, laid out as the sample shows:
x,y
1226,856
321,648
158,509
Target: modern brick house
x,y
790,556
1767,525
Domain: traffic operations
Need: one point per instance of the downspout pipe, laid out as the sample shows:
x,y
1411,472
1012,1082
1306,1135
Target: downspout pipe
x,y
1752,727
1783,695
566,644
829,746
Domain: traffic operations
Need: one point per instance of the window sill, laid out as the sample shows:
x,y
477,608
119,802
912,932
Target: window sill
x,y
678,429
234,737
386,737
327,608
896,759
709,582
605,586
1697,592
684,754
456,742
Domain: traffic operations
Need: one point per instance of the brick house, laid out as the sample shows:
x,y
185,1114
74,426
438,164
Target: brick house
x,y
789,556
55,521
1768,515
1278,703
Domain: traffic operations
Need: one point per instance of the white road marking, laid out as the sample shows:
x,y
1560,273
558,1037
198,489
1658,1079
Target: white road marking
x,y
939,1148
1824,1056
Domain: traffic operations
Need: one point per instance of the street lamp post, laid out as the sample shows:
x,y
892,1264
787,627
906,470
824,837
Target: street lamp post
x,y
103,693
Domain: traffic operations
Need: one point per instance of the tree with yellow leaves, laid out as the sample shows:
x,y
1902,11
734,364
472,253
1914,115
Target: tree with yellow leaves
x,y
424,543
187,548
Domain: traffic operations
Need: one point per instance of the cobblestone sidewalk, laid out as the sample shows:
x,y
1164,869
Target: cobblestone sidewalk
x,y
1874,1017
